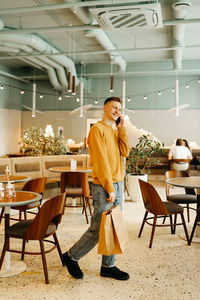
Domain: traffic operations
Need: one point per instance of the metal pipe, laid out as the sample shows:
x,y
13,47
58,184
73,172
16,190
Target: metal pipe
x,y
16,10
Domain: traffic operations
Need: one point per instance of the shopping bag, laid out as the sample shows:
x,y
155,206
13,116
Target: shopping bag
x,y
112,232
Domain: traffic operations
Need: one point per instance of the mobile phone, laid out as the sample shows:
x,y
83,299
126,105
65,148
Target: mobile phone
x,y
118,121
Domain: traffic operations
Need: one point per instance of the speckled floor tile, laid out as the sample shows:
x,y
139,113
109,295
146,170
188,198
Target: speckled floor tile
x,y
168,271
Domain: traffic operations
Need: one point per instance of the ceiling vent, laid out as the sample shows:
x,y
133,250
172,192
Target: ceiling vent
x,y
129,17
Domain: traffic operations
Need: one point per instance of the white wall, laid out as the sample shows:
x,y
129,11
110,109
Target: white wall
x,y
164,125
10,131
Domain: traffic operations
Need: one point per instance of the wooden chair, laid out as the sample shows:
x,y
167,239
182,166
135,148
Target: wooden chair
x,y
187,198
39,229
160,209
75,185
36,185
180,161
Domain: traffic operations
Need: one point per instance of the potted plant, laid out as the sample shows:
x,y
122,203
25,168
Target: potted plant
x,y
139,162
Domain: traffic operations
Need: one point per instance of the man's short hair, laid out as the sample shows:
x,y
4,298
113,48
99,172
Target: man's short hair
x,y
113,99
178,142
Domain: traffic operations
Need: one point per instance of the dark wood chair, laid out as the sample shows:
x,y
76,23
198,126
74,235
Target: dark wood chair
x,y
159,209
76,185
180,161
36,185
187,198
39,229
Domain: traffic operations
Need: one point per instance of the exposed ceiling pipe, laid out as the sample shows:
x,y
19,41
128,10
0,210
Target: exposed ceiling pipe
x,y
86,18
180,9
35,62
76,4
6,74
40,45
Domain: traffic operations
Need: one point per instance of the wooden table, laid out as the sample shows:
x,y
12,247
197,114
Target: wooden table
x,y
14,178
64,169
11,268
190,182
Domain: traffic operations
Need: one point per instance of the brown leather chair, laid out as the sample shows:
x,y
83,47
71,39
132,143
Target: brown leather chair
x,y
75,185
36,185
39,229
187,198
159,209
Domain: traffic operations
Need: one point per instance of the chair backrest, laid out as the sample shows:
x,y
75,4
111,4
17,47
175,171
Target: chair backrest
x,y
36,185
176,160
151,198
74,180
173,174
51,211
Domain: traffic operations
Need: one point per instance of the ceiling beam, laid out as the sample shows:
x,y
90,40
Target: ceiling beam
x,y
95,52
25,9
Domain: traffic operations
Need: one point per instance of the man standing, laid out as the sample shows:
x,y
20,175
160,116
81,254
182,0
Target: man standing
x,y
107,145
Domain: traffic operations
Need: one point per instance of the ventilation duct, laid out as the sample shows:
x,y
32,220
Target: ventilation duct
x,y
56,66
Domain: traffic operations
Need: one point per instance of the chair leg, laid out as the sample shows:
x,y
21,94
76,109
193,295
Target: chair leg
x,y
164,219
185,228
44,262
58,248
193,230
23,249
1,215
85,209
5,248
143,222
171,224
153,231
188,213
88,203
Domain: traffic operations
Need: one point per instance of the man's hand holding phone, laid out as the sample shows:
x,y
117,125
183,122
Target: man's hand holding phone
x,y
119,122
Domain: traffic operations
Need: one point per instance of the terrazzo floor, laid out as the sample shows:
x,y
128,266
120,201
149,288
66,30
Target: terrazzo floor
x,y
168,271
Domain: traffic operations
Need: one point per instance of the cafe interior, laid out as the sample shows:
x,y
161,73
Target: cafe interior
x,y
59,61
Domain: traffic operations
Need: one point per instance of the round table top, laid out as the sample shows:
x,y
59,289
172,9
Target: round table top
x,y
64,169
186,182
22,198
14,178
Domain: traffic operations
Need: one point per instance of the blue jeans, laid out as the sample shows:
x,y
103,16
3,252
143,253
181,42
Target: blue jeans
x,y
91,237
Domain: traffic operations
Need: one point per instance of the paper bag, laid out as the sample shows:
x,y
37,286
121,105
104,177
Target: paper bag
x,y
112,232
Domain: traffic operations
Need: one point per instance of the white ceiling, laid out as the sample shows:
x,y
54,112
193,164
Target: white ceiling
x,y
132,48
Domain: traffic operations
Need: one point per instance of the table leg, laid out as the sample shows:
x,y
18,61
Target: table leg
x,y
10,268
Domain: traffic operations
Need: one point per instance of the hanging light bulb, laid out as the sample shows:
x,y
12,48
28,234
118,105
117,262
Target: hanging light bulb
x,y
199,80
60,96
173,90
22,92
41,96
81,115
73,85
77,100
69,89
145,97
187,86
96,101
128,99
111,84
2,87
159,93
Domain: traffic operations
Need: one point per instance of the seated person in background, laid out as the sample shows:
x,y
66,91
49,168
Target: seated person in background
x,y
186,144
84,149
179,152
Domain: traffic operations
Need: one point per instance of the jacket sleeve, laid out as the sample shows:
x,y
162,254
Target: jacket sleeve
x,y
99,158
124,144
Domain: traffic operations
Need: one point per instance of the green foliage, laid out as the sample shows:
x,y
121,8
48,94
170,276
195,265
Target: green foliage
x,y
35,143
140,158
